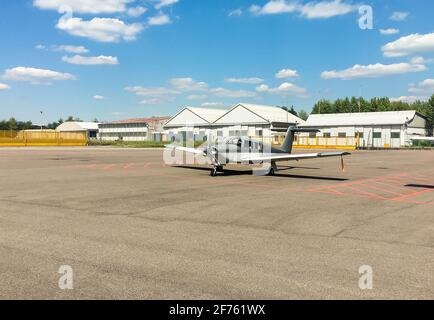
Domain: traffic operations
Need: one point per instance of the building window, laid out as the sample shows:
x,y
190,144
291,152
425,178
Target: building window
x,y
327,135
360,135
376,135
259,133
312,135
396,135
342,134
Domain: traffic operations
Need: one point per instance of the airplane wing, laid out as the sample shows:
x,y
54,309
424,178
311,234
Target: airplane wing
x,y
289,157
188,150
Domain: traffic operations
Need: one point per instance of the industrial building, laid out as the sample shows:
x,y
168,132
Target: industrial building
x,y
91,128
259,121
139,129
364,130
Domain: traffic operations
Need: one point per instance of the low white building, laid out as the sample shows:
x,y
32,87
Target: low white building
x,y
259,121
139,129
91,128
375,129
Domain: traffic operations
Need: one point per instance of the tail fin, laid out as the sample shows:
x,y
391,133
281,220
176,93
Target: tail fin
x,y
290,134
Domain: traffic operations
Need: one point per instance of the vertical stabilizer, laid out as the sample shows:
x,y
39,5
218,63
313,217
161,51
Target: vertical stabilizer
x,y
290,135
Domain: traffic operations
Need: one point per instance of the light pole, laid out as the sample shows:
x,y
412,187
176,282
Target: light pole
x,y
42,119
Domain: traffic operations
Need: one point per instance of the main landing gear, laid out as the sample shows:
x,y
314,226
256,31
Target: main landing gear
x,y
272,170
215,170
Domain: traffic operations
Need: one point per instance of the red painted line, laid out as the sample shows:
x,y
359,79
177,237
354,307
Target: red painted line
x,y
348,184
412,194
128,166
109,167
384,190
369,194
393,185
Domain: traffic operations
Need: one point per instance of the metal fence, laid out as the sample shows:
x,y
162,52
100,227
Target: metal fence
x,y
28,138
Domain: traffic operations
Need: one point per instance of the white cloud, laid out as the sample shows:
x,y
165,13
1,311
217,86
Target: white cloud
x,y
388,32
310,10
373,71
156,101
98,97
226,93
212,104
165,3
285,88
326,9
100,29
399,16
197,97
4,86
70,49
136,11
426,86
286,73
188,84
63,48
81,60
274,7
36,76
411,44
263,88
421,60
244,80
235,13
409,99
84,6
157,92
159,20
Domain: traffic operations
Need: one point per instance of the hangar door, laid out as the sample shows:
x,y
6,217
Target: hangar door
x,y
395,139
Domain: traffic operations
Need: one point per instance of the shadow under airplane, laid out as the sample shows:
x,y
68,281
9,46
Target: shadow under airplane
x,y
279,175
422,186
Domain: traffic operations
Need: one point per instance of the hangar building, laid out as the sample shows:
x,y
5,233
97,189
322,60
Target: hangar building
x,y
140,129
259,121
91,128
375,129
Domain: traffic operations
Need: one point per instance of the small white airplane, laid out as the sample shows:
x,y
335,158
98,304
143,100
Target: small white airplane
x,y
244,150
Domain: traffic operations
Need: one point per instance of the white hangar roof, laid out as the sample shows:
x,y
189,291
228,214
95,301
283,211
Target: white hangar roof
x,y
195,116
254,113
77,126
361,119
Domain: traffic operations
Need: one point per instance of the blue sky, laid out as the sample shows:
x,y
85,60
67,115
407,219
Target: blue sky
x,y
114,59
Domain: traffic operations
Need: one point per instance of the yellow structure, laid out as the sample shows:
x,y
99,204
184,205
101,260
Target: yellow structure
x,y
41,138
347,143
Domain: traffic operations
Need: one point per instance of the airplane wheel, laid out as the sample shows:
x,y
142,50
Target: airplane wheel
x,y
272,172
213,172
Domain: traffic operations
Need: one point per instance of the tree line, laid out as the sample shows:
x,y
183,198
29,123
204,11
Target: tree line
x,y
354,105
13,124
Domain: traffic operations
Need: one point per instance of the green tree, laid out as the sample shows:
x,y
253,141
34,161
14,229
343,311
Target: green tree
x,y
303,115
430,115
323,107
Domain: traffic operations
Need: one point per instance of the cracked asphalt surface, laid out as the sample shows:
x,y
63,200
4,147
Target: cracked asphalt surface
x,y
133,228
